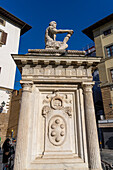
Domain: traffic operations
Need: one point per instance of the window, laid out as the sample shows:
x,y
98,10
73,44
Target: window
x,y
109,51
107,32
2,21
111,71
3,37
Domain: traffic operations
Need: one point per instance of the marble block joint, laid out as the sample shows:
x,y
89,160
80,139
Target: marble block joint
x,y
57,126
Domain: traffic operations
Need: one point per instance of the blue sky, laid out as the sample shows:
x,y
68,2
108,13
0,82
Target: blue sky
x,y
70,14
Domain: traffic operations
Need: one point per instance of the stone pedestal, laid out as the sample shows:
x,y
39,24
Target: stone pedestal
x,y
57,122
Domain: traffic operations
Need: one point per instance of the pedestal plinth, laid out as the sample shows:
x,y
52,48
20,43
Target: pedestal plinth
x,y
53,131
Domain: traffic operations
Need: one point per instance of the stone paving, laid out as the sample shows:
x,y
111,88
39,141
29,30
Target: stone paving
x,y
106,156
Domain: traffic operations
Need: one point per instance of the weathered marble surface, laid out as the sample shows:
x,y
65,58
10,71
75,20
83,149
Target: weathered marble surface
x,y
57,120
50,37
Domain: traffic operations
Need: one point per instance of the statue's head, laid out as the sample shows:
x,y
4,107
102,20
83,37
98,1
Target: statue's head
x,y
53,23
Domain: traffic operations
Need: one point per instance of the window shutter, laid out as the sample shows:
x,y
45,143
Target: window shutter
x,y
2,21
4,37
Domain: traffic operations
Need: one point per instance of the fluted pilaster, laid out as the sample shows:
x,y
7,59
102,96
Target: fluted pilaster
x,y
23,129
91,129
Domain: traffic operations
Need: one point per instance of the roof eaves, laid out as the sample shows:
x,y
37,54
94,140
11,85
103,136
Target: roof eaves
x,y
89,31
24,26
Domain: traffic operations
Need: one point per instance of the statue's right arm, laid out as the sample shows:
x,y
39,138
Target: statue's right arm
x,y
55,31
65,31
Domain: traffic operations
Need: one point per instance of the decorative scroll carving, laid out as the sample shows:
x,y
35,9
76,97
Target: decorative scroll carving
x,y
56,101
68,110
57,130
46,110
47,100
66,100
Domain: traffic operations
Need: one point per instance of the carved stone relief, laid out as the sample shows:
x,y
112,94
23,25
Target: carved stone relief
x,y
57,130
54,70
56,102
46,110
68,110
55,107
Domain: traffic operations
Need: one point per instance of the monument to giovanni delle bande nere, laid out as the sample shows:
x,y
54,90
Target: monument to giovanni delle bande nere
x,y
57,126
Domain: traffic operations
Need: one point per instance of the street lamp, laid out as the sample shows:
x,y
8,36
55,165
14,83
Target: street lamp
x,y
1,107
110,105
3,104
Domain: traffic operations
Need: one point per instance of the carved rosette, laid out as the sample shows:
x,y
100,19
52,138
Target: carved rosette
x,y
57,103
57,130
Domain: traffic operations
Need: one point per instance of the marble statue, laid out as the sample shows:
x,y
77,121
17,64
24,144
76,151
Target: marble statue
x,y
50,37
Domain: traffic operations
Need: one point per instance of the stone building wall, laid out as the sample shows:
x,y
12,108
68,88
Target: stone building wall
x,y
106,95
4,118
14,113
101,40
9,120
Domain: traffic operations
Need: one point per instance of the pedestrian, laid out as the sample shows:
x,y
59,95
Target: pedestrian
x,y
6,152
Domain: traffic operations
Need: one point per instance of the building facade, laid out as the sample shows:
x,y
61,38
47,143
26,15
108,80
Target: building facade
x,y
11,28
102,34
14,114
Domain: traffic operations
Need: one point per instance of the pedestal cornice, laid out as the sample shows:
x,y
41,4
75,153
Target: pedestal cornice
x,y
86,61
56,66
55,57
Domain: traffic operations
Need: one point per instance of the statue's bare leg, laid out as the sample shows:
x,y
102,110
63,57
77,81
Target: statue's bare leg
x,y
64,45
67,38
